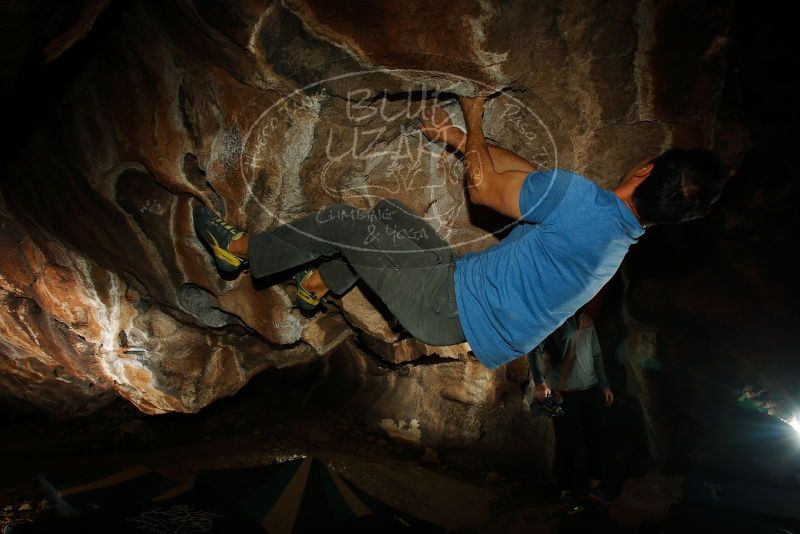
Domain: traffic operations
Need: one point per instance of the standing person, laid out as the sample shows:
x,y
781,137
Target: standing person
x,y
576,374
569,239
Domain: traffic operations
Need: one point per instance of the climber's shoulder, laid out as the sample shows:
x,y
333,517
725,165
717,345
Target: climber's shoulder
x,y
501,192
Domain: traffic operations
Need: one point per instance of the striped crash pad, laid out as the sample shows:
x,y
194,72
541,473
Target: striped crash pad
x,y
302,495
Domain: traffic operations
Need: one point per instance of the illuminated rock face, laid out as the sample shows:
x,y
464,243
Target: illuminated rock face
x,y
266,111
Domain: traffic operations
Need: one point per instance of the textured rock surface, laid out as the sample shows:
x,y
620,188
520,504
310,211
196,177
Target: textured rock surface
x,y
438,403
252,108
74,333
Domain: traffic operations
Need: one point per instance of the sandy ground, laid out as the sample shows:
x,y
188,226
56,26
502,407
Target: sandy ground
x,y
453,489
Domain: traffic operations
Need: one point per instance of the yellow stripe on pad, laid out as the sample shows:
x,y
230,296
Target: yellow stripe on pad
x,y
116,478
281,517
174,492
358,508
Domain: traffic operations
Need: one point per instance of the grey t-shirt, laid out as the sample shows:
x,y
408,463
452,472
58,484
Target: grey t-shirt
x,y
576,361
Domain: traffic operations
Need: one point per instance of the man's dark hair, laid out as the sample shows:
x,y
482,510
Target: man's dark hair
x,y
683,185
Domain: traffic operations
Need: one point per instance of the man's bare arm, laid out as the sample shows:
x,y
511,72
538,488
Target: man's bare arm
x,y
504,160
437,126
485,184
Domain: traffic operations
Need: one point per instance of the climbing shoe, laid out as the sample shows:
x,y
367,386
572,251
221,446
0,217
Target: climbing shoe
x,y
217,235
306,300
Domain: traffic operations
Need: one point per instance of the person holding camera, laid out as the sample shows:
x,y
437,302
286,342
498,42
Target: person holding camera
x,y
577,378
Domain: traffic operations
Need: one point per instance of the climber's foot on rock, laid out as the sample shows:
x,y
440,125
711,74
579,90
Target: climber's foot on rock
x,y
436,125
311,290
223,240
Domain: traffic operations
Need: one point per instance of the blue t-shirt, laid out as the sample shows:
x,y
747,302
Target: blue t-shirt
x,y
570,242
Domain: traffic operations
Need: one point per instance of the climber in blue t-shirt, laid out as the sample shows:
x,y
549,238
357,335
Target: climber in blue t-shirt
x,y
569,239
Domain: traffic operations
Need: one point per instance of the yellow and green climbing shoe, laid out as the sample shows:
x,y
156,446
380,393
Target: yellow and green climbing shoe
x,y
306,300
217,235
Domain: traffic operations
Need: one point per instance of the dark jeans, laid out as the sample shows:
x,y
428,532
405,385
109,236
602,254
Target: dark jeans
x,y
397,254
583,414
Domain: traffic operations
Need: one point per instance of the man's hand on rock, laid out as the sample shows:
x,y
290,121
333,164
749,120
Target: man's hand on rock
x,y
435,124
472,106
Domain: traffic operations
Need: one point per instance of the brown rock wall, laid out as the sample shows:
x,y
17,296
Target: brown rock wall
x,y
266,111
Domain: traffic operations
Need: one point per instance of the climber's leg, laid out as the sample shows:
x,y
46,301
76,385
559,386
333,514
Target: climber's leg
x,y
408,225
415,284
335,276
338,276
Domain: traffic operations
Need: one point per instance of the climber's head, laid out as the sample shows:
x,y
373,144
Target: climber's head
x,y
679,185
